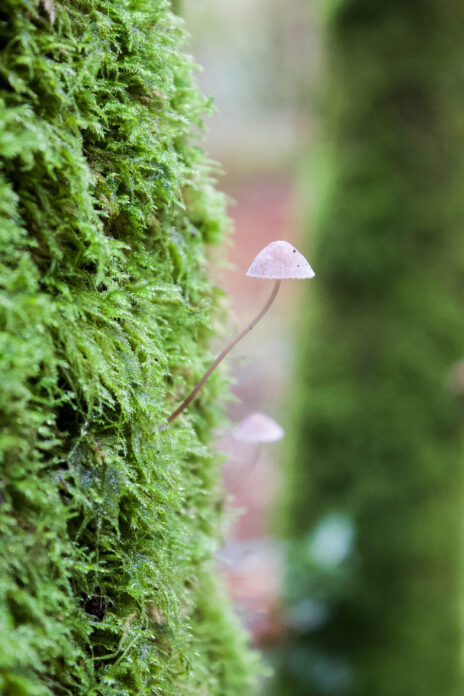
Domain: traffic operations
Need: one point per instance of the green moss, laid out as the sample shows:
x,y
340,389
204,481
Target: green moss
x,y
106,208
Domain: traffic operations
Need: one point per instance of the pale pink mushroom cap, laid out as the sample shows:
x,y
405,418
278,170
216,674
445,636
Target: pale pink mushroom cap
x,y
257,427
280,260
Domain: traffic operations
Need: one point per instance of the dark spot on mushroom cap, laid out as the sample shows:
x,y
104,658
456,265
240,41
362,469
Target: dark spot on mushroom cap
x,y
294,251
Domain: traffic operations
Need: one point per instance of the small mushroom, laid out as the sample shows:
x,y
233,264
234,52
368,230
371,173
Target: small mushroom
x,y
278,260
256,428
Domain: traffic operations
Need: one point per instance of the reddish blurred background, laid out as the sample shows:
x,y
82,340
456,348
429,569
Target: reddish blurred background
x,y
254,58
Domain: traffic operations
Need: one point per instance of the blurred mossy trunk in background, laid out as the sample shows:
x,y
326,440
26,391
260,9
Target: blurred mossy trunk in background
x,y
107,524
375,478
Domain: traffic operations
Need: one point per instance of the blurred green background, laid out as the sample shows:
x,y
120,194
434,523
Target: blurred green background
x,y
340,126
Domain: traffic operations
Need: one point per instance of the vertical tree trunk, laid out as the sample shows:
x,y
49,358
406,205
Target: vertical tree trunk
x,y
377,428
107,525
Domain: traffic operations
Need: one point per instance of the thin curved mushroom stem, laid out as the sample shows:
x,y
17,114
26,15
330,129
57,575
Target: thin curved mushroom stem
x,y
245,470
223,354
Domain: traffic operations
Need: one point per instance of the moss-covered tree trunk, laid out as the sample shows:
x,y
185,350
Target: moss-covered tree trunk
x,y
107,523
375,496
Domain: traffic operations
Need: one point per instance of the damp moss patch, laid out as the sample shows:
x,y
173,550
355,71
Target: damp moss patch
x,y
107,207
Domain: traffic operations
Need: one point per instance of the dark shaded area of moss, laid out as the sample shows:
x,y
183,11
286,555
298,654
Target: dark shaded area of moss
x,y
107,525
375,492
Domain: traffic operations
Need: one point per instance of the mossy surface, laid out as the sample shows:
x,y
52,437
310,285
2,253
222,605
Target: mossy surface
x,y
107,524
375,476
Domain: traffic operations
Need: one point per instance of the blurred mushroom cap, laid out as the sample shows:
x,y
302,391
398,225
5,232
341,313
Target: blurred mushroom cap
x,y
280,260
257,427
